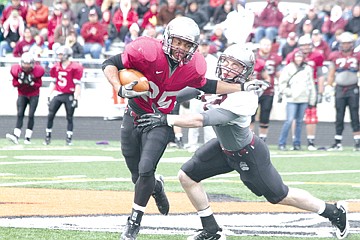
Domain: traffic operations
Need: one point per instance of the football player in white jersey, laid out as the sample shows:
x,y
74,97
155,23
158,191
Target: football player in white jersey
x,y
237,148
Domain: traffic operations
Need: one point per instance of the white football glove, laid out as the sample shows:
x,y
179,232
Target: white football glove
x,y
127,91
258,86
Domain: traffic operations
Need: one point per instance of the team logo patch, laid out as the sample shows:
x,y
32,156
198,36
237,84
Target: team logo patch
x,y
244,166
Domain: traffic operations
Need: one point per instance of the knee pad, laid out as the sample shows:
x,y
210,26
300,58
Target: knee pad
x,y
311,116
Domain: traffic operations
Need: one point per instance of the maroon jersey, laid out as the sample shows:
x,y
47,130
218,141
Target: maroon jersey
x,y
313,59
258,69
345,63
25,89
146,55
272,63
66,79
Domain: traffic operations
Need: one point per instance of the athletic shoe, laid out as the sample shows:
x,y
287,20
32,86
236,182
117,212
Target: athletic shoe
x,y
27,141
131,231
357,147
335,147
12,138
161,200
68,141
296,148
47,140
205,235
340,220
311,147
179,143
282,148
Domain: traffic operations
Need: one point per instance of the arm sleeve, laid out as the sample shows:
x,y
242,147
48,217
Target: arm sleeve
x,y
187,94
210,86
218,116
113,61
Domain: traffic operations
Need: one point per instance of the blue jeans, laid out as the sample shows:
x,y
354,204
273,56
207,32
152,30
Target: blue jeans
x,y
4,48
94,49
268,32
293,111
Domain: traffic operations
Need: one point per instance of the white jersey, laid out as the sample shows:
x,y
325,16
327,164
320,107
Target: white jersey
x,y
230,116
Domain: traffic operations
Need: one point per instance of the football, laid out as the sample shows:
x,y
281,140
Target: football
x,y
129,75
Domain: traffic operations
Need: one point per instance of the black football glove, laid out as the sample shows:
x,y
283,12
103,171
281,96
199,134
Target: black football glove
x,y
127,91
152,120
74,103
21,77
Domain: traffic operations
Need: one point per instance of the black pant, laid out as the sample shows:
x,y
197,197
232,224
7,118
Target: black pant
x,y
22,103
54,106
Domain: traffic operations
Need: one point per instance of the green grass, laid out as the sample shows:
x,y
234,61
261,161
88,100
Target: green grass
x,y
42,165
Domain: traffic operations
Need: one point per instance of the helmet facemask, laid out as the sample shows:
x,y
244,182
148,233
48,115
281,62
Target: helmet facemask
x,y
226,71
27,62
178,54
63,54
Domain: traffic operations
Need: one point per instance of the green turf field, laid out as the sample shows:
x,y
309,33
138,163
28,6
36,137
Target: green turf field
x,y
330,176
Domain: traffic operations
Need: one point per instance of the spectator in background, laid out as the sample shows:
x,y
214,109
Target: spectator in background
x,y
213,5
221,12
168,12
24,45
311,15
14,27
150,31
123,18
27,79
199,16
37,17
150,17
290,45
62,31
307,28
353,24
39,48
72,42
335,46
269,21
142,7
83,14
76,6
15,5
133,33
55,19
106,22
65,8
296,83
94,35
332,23
240,16
320,44
218,38
287,26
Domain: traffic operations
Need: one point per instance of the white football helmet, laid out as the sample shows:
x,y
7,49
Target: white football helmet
x,y
346,41
186,29
27,62
305,43
65,52
239,54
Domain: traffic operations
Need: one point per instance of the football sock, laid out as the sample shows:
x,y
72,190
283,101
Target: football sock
x,y
208,220
329,211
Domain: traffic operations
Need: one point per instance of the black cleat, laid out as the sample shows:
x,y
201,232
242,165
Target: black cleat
x,y
340,221
205,235
69,141
131,231
47,140
161,200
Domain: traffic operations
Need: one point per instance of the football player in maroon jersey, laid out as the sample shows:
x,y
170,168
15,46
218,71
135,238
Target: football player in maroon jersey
x,y
272,64
65,89
27,79
170,65
237,148
343,71
315,60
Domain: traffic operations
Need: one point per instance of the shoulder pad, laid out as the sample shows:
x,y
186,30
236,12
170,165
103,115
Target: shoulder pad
x,y
144,48
15,69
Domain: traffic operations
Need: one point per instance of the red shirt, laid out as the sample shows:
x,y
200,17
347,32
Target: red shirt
x,y
25,89
66,79
146,55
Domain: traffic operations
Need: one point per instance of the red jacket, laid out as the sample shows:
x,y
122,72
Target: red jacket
x,y
7,11
270,17
332,27
22,46
38,18
98,37
118,18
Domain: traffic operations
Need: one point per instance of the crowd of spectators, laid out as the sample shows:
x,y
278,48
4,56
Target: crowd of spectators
x,y
91,27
